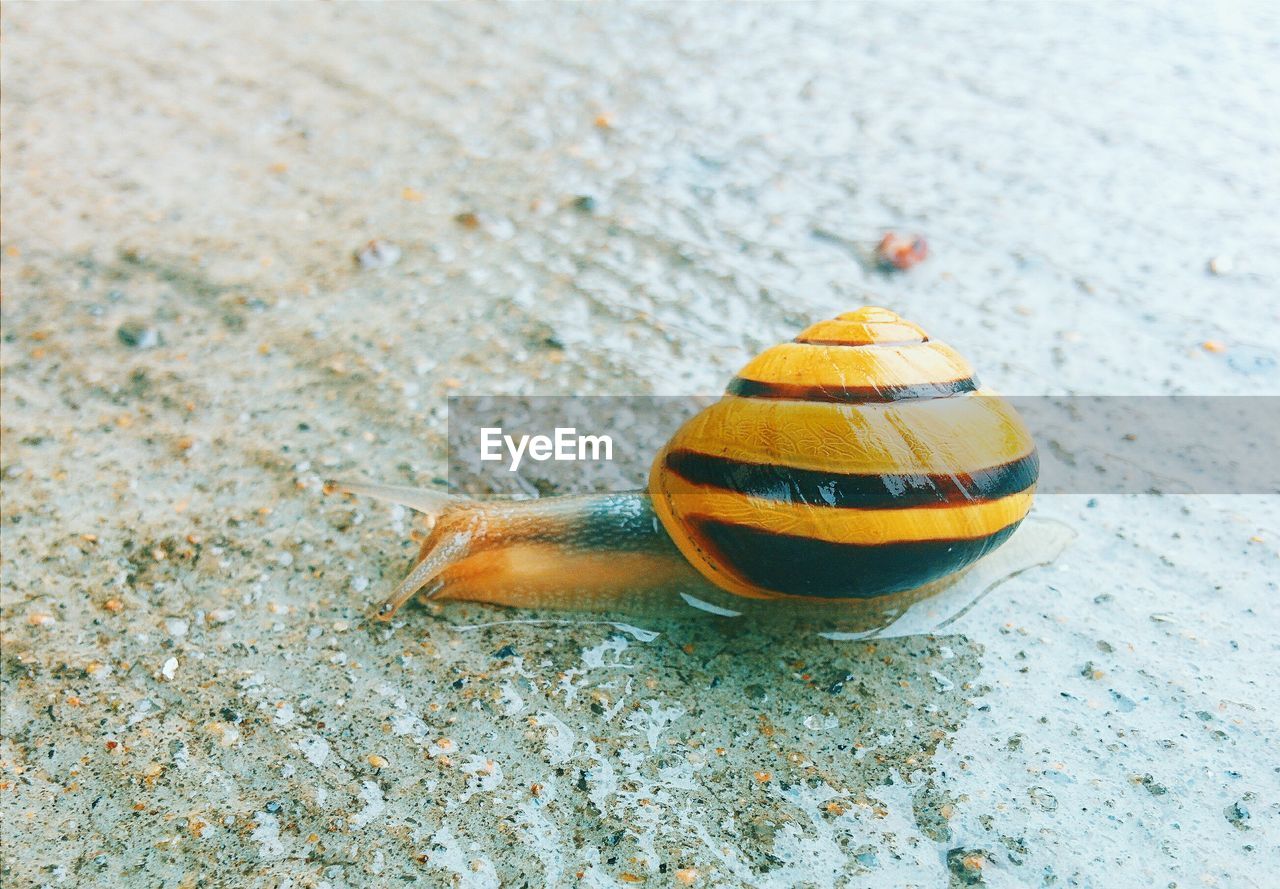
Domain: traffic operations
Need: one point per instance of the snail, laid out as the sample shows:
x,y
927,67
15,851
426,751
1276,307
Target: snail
x,y
858,463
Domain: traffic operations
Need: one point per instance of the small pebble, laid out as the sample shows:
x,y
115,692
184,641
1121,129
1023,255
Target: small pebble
x,y
1238,815
966,865
1154,787
221,615
138,335
169,669
378,254
1043,798
1222,265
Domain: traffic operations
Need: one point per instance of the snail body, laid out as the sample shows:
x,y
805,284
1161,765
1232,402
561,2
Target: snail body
x,y
860,461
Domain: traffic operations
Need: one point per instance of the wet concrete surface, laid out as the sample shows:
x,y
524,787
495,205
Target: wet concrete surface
x,y
600,200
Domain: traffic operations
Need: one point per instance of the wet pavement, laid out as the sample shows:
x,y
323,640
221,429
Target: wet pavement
x,y
247,248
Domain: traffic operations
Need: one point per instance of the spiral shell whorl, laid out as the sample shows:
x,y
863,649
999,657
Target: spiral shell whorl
x,y
858,460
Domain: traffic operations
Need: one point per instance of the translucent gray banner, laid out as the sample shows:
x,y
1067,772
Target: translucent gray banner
x,y
531,446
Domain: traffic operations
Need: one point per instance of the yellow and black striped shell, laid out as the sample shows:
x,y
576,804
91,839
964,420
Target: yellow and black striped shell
x,y
859,460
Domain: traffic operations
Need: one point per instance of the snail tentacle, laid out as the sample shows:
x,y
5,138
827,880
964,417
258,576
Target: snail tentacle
x,y
428,502
440,551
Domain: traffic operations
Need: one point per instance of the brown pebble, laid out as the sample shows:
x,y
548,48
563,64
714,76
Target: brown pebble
x,y
901,252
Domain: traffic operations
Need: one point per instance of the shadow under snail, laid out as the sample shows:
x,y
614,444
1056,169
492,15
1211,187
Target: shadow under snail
x,y
859,463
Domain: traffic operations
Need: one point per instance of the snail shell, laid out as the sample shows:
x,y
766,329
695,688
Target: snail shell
x,y
859,460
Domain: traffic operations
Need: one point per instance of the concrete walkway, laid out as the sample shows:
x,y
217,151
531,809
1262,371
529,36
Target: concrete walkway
x,y
609,199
